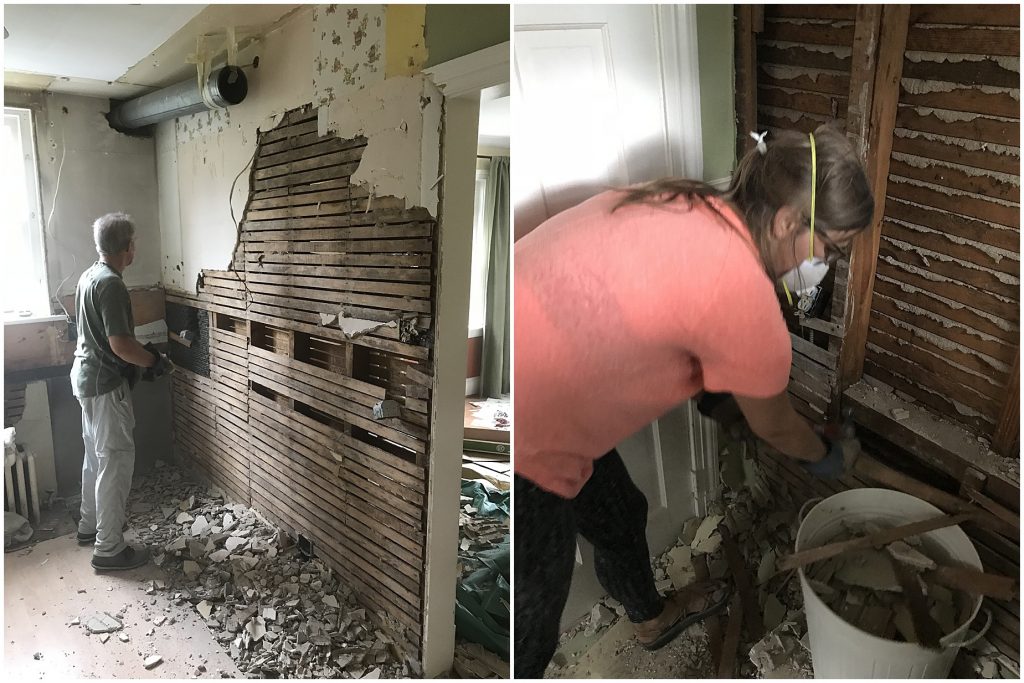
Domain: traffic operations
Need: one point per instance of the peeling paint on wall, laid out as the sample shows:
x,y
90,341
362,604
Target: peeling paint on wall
x,y
203,124
401,121
350,50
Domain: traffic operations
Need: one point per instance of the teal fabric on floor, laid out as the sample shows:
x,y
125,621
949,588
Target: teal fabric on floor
x,y
487,500
482,602
482,597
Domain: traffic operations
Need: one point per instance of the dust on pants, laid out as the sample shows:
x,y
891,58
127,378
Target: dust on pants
x,y
108,422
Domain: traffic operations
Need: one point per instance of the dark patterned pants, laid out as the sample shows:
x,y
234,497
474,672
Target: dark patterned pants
x,y
611,513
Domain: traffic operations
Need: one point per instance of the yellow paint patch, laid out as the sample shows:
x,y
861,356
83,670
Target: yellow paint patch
x,y
405,47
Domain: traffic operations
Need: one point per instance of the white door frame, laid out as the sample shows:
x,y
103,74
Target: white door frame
x,y
676,27
461,81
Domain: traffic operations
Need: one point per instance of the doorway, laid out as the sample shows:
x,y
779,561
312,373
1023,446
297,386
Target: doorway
x,y
607,96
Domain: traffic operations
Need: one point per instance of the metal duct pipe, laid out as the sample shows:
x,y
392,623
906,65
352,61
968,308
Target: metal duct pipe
x,y
223,87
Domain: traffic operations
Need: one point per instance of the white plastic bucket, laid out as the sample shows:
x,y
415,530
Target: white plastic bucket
x,y
841,650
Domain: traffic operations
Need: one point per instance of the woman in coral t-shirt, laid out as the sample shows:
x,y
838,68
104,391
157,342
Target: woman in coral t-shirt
x,y
625,307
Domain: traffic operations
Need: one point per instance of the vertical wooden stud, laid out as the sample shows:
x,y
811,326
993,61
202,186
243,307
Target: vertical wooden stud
x,y
1006,436
880,40
746,75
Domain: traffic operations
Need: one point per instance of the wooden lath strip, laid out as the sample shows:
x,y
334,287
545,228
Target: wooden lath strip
x,y
965,99
781,30
884,307
972,207
824,82
980,128
796,56
944,149
889,318
966,72
965,40
1006,435
952,224
812,103
296,232
939,243
943,384
955,270
971,14
346,272
294,152
927,301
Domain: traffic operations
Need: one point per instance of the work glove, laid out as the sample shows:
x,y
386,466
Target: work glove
x,y
132,373
843,449
162,366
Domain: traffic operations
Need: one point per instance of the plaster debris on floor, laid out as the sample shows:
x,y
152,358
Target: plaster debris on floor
x,y
482,594
277,612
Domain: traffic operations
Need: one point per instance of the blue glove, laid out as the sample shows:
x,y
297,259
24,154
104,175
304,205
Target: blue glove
x,y
832,466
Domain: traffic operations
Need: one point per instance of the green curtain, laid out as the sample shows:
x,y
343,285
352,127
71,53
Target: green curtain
x,y
495,377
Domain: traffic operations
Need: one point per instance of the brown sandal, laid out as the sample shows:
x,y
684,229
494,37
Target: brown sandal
x,y
686,607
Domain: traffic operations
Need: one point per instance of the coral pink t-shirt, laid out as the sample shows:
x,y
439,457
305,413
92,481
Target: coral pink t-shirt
x,y
620,317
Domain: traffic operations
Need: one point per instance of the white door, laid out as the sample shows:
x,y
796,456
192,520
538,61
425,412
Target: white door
x,y
605,96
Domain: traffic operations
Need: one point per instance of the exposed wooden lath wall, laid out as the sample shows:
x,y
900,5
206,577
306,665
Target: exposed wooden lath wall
x,y
943,327
285,420
945,321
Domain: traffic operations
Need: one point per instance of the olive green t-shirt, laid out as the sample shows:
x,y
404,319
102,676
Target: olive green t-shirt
x,y
103,309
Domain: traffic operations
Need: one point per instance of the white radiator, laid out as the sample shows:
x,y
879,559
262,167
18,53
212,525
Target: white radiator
x,y
21,485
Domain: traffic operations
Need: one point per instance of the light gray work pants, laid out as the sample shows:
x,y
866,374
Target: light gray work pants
x,y
108,422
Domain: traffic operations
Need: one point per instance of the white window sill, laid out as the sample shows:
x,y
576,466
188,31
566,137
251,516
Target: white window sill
x,y
476,332
17,320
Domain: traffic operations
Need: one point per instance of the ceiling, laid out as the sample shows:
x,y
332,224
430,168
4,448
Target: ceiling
x,y
118,51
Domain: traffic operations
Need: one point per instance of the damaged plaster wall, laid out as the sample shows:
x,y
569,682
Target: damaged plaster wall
x,y
350,55
199,156
103,171
401,120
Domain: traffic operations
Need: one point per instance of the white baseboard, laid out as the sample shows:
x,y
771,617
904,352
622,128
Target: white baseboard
x,y
472,386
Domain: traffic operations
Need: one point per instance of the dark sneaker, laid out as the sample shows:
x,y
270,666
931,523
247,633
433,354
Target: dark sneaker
x,y
129,558
683,609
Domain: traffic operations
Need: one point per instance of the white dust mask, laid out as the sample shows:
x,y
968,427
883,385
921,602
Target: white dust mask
x,y
805,277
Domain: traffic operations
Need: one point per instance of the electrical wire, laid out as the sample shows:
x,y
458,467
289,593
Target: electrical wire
x,y
49,219
238,227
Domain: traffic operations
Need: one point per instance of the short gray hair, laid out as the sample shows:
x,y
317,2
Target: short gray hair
x,y
113,233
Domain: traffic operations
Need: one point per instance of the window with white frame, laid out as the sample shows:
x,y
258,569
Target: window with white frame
x,y
23,290
481,244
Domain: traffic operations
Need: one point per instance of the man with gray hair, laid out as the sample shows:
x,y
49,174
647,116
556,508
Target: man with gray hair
x,y
108,360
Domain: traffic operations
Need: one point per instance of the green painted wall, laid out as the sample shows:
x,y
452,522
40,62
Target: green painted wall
x,y
717,106
457,30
